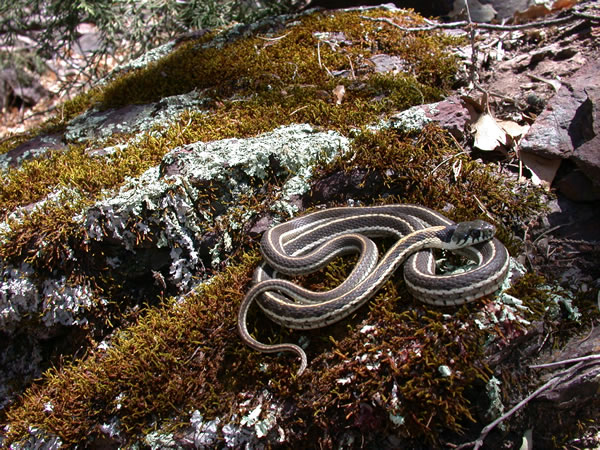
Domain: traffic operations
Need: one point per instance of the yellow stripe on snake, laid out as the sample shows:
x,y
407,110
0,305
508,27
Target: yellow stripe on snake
x,y
308,243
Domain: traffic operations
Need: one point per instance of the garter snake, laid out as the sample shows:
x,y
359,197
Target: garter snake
x,y
305,244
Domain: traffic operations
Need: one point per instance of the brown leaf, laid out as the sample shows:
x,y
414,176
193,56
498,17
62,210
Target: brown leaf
x,y
338,92
513,129
543,169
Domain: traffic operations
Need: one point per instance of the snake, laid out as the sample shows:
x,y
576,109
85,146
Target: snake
x,y
308,243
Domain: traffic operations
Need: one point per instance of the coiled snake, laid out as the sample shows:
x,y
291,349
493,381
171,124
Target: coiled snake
x,y
308,243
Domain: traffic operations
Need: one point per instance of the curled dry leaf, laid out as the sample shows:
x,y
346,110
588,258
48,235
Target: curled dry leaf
x,y
338,92
543,170
489,136
513,129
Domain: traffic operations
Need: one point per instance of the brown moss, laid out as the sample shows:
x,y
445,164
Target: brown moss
x,y
50,245
172,359
428,168
187,355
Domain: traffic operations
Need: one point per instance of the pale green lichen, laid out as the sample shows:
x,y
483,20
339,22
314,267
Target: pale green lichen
x,y
494,393
174,203
102,124
413,119
142,61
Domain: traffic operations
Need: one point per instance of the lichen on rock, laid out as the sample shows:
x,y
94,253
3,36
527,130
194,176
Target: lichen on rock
x,y
168,205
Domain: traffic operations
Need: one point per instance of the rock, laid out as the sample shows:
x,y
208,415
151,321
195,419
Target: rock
x,y
577,187
451,114
340,184
96,124
19,88
32,149
569,127
166,202
582,386
477,11
260,226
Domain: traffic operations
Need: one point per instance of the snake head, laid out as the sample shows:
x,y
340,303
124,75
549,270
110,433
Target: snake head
x,y
472,232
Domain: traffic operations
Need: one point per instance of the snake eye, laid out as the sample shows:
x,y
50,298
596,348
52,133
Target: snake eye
x,y
475,233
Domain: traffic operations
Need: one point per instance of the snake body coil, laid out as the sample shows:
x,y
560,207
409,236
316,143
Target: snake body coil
x,y
308,243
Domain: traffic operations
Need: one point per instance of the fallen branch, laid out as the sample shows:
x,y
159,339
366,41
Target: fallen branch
x,y
567,361
487,26
582,362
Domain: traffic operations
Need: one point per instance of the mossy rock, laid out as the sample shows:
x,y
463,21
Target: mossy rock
x,y
127,254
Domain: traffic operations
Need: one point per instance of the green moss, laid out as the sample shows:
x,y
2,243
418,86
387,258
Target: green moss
x,y
188,355
273,82
69,110
13,141
296,58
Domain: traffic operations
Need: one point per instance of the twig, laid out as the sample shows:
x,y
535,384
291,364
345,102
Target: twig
x,y
550,230
321,65
555,84
299,109
351,67
446,160
585,16
567,361
477,444
473,69
483,208
485,26
275,38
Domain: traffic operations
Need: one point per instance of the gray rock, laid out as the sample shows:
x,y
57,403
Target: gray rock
x,y
450,114
569,127
385,63
32,149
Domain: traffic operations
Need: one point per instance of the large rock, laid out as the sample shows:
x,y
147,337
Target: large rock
x,y
569,128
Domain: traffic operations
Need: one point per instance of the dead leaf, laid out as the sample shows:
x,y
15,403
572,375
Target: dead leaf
x,y
533,12
543,169
489,136
562,4
542,9
513,129
338,92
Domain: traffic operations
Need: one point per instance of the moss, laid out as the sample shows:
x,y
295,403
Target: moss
x,y
428,168
13,141
50,244
173,358
295,58
274,83
186,354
